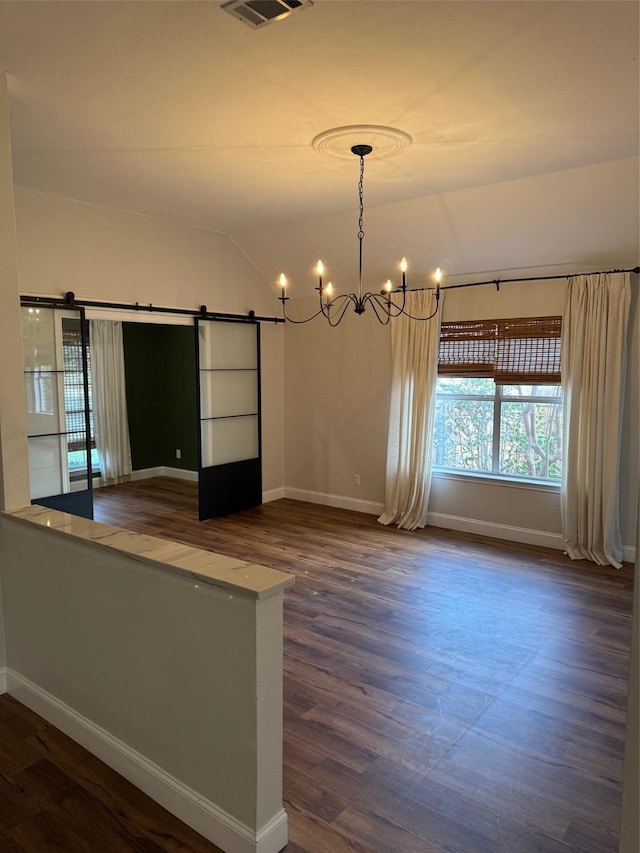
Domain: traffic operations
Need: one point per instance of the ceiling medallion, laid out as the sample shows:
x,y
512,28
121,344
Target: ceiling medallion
x,y
339,141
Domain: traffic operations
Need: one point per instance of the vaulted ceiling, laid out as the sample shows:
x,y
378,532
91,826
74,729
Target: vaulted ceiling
x,y
178,110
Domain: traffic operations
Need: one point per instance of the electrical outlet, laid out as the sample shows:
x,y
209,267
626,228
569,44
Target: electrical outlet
x,y
178,453
356,479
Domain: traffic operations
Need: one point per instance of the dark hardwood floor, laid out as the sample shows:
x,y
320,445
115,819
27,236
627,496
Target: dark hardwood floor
x,y
442,693
55,797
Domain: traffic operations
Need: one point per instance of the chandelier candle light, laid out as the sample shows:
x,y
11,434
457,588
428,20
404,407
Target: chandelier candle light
x,y
333,307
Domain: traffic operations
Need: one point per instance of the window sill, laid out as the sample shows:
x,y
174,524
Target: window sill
x,y
495,480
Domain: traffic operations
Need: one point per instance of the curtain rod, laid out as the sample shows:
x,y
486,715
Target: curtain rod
x,y
69,301
498,281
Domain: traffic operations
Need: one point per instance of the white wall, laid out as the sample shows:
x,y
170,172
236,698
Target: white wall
x,y
336,405
337,394
573,221
14,471
111,255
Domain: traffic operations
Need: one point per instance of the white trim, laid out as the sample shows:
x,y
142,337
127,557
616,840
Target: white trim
x,y
141,315
193,809
355,504
497,531
147,473
179,473
165,471
158,471
525,535
495,480
3,680
183,474
451,522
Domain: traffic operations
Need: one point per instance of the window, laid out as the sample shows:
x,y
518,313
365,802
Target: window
x,y
499,399
74,398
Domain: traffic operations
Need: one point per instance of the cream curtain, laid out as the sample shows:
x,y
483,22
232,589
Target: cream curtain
x,y
109,400
594,345
414,357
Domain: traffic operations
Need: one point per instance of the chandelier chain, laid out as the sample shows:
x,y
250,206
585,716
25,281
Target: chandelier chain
x,y
361,199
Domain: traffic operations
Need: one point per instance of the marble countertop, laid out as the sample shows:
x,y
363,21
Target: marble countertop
x,y
243,577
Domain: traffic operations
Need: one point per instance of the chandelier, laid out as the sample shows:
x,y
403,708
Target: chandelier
x,y
389,302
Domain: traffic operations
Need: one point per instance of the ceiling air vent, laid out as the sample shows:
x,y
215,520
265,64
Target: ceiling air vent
x,y
259,13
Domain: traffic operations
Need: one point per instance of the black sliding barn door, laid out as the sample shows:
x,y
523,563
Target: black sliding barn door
x,y
230,467
56,375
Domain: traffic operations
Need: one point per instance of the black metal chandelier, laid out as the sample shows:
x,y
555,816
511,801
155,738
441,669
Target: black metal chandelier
x,y
384,306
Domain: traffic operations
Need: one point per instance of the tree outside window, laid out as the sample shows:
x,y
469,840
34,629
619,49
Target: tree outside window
x,y
502,430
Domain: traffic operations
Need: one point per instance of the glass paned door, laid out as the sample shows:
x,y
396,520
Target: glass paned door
x,y
58,408
230,469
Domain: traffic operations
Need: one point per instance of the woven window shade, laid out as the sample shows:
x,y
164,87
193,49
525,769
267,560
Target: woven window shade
x,y
467,348
515,351
528,351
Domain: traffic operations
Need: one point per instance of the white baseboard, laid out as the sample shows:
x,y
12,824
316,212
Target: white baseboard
x,y
511,534
158,471
497,531
628,554
179,474
147,473
450,522
3,680
164,471
355,504
192,808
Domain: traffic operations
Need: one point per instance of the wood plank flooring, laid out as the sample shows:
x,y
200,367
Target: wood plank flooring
x,y
442,692
55,797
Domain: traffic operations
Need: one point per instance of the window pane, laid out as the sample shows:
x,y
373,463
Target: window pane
x,y
230,345
229,440
39,339
531,440
228,392
465,385
531,390
44,416
47,470
464,433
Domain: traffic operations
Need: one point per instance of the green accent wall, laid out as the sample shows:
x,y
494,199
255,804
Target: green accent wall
x,y
160,369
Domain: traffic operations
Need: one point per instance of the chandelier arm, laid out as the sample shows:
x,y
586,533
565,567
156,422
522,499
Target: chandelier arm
x,y
431,316
396,310
298,322
379,306
347,300
337,302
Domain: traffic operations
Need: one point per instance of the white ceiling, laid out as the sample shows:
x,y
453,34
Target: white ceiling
x,y
178,110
